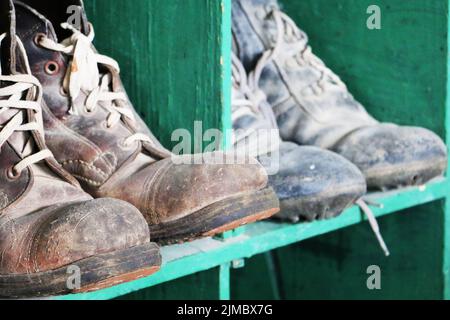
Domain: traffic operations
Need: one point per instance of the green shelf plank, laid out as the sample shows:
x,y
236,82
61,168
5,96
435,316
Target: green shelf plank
x,y
186,259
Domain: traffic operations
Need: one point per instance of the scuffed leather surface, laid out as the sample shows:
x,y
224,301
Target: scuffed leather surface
x,y
60,235
313,183
390,156
313,172
166,191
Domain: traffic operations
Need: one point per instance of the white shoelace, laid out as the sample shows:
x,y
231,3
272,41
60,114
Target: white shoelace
x,y
12,99
297,40
83,75
262,137
373,224
252,96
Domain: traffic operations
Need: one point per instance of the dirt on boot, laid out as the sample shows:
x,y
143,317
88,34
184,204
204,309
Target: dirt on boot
x,y
50,228
314,107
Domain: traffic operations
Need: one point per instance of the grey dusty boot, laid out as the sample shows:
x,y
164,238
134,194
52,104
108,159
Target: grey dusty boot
x,y
50,229
311,183
313,106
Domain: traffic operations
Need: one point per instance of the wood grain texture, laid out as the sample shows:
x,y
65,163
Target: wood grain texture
x,y
170,57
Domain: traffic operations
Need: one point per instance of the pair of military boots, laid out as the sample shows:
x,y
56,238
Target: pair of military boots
x,y
329,149
83,182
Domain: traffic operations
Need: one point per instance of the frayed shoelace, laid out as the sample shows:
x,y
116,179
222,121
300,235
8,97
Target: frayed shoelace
x,y
373,224
83,75
253,97
12,98
249,100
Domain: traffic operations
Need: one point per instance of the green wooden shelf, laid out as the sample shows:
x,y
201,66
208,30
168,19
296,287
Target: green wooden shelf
x,y
186,259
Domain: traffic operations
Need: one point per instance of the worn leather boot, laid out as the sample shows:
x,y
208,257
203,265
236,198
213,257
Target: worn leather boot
x,y
314,107
51,231
94,132
310,182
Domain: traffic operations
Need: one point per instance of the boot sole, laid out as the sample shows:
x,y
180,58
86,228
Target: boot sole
x,y
217,218
414,174
321,207
325,210
96,273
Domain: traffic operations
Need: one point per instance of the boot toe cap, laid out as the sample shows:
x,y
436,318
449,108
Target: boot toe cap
x,y
392,156
313,183
86,229
186,188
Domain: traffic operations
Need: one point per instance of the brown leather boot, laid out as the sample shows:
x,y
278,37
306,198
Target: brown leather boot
x,y
54,238
95,133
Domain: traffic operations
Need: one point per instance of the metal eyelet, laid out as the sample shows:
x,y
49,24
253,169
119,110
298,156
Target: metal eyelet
x,y
51,68
38,38
12,174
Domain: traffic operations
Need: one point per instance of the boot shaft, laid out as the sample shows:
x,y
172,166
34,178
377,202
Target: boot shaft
x,y
91,126
29,175
303,92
